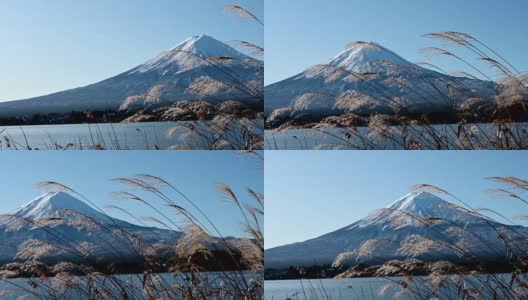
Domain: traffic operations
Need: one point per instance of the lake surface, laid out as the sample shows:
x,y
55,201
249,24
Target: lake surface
x,y
119,136
393,137
370,288
19,288
323,289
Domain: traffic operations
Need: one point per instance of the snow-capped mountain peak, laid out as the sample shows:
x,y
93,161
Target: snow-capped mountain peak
x,y
194,41
55,204
206,46
366,57
425,204
416,202
408,210
188,55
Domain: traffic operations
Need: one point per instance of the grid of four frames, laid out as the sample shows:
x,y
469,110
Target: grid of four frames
x,y
379,80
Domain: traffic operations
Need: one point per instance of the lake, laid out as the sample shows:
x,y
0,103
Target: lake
x,y
370,288
20,288
449,136
121,136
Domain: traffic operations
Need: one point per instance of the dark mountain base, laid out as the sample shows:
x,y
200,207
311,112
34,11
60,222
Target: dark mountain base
x,y
514,113
392,268
194,111
199,111
74,117
39,269
313,272
214,261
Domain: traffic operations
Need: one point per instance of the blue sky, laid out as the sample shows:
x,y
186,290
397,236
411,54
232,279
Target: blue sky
x,y
49,46
310,193
195,173
301,33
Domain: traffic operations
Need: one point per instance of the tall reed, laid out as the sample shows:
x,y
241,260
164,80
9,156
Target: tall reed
x,y
167,271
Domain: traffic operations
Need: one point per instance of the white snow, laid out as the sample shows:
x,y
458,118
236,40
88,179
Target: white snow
x,y
184,56
53,204
362,57
425,204
418,204
413,200
366,57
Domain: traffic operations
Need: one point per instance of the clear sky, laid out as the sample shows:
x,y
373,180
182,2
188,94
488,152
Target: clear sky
x,y
49,46
301,33
195,173
310,193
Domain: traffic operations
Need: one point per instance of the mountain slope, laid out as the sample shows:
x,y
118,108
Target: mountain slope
x,y
59,227
367,78
419,225
172,71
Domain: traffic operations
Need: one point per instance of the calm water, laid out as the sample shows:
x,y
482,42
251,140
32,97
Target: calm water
x,y
336,139
17,289
367,288
119,136
364,288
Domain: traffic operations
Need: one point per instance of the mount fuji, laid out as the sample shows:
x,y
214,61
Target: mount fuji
x,y
368,78
168,76
58,227
419,225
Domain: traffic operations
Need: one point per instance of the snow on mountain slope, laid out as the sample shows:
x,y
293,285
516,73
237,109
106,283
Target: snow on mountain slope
x,y
366,78
178,68
418,225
